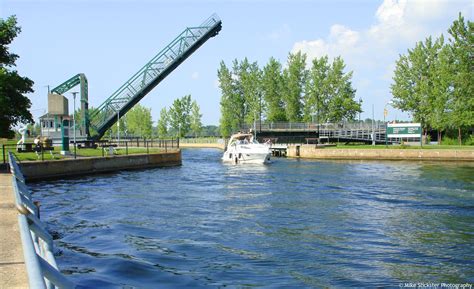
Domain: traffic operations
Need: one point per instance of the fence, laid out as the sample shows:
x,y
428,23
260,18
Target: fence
x,y
106,146
37,243
312,126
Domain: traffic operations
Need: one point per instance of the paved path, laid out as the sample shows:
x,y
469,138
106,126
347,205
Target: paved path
x,y
12,264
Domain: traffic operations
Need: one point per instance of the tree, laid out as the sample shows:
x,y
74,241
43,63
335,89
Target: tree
x,y
179,115
341,104
272,84
295,78
317,91
139,121
196,124
14,106
231,103
413,88
462,72
441,82
162,125
250,79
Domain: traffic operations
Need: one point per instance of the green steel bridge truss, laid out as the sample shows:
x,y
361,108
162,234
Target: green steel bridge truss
x,y
150,75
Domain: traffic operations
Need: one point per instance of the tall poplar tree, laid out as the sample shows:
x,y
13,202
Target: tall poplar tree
x,y
317,91
295,78
341,104
250,80
272,85
196,124
163,123
180,115
230,105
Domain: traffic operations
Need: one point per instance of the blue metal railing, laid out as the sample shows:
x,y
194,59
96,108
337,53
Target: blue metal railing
x,y
37,243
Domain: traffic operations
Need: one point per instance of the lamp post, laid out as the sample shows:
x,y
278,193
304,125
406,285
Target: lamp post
x,y
74,120
385,113
118,128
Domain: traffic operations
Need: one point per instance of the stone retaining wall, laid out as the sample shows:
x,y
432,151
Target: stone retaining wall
x,y
37,170
310,151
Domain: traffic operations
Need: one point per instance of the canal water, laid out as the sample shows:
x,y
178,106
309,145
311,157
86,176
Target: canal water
x,y
291,224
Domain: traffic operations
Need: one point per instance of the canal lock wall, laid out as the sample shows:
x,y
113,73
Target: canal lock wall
x,y
311,151
35,171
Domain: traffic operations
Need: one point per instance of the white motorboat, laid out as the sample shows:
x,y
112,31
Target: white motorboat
x,y
243,148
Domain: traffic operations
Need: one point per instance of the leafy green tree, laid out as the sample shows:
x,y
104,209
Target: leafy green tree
x,y
317,91
462,72
139,121
295,78
341,104
231,103
196,124
272,85
179,115
14,106
413,88
441,82
329,92
163,123
250,79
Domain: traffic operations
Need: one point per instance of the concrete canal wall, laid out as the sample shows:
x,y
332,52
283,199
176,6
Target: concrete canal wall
x,y
310,151
36,170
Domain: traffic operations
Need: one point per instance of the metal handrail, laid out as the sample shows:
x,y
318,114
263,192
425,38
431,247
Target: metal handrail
x,y
37,243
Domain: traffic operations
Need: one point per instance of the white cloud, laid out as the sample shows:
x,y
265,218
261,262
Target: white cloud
x,y
195,75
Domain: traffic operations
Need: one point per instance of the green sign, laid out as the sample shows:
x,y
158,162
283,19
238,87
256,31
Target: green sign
x,y
400,130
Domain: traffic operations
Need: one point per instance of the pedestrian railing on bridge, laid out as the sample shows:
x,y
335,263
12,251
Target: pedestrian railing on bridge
x,y
347,131
37,243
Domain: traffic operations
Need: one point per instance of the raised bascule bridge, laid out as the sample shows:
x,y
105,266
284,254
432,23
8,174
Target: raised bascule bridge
x,y
96,122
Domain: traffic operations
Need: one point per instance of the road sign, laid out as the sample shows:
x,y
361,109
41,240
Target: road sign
x,y
401,130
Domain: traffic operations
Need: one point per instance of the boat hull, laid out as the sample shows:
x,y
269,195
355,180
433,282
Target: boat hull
x,y
248,158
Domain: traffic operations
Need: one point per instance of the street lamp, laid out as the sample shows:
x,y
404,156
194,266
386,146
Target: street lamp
x,y
74,120
118,128
385,113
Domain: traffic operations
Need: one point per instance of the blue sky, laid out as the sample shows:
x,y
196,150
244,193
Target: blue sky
x,y
110,40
